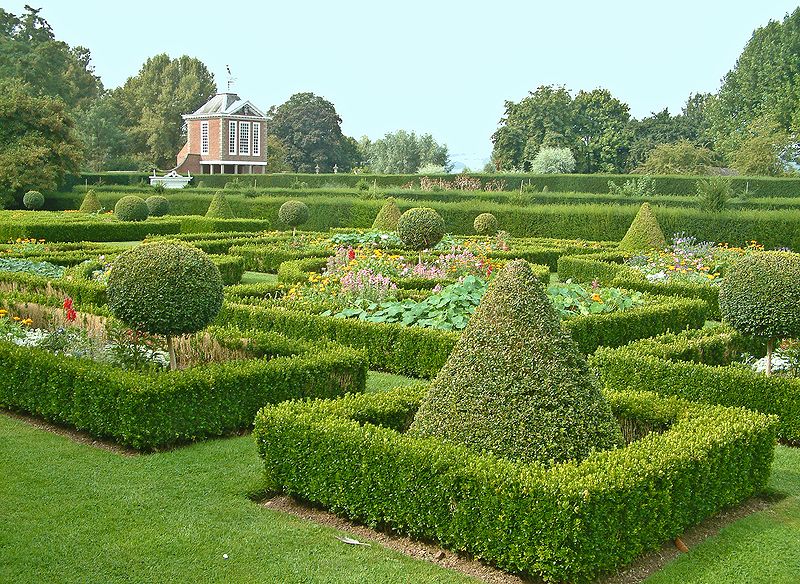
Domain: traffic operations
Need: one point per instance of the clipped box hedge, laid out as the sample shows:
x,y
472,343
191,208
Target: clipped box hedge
x,y
421,352
149,411
571,522
71,227
695,366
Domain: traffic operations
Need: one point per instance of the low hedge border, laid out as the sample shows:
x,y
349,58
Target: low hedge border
x,y
231,268
571,522
150,411
421,352
607,269
56,227
670,366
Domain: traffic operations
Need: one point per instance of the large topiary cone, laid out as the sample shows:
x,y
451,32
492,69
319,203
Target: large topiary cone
x,y
387,217
220,208
91,203
515,384
644,232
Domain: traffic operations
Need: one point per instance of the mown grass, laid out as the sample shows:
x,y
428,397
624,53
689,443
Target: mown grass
x,y
256,277
74,513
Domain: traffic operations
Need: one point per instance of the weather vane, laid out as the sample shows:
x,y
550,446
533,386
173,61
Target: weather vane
x,y
231,78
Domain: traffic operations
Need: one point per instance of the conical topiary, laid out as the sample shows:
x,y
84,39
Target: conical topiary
x,y
515,384
91,203
220,208
644,232
386,219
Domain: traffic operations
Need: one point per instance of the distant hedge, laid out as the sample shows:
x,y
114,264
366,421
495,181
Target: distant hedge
x,y
580,183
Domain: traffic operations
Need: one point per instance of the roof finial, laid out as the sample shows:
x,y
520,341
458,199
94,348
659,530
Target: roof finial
x,y
231,78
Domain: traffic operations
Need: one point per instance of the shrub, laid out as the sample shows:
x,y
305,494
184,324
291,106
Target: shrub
x,y
760,296
131,208
201,184
644,232
220,208
485,224
515,384
157,205
362,185
643,186
293,213
713,193
420,228
165,289
568,523
91,203
553,161
388,216
33,200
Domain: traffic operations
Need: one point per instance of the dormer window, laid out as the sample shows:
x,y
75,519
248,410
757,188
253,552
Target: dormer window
x,y
244,138
204,137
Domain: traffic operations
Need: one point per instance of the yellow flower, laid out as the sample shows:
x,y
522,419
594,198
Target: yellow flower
x,y
16,318
710,276
596,297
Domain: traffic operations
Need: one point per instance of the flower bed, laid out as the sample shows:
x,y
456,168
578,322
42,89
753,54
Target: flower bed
x,y
699,366
570,522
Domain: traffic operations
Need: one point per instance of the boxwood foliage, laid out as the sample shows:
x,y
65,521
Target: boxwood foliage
x,y
644,232
388,216
131,208
157,205
696,366
219,208
165,288
293,213
420,228
148,411
485,224
570,522
91,203
515,384
33,200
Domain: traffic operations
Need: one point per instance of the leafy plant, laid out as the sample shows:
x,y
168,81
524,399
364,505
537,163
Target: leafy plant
x,y
713,193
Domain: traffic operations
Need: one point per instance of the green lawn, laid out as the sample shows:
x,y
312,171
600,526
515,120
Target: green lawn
x,y
73,513
256,277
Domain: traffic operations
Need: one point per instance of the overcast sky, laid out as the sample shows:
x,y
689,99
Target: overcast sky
x,y
442,67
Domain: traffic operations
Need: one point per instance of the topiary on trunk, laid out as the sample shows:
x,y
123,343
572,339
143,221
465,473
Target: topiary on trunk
x,y
644,232
131,208
387,217
485,224
33,200
760,296
293,214
220,208
420,228
516,385
165,289
91,203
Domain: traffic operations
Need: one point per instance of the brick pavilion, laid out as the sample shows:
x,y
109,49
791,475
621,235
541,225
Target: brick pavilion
x,y
227,135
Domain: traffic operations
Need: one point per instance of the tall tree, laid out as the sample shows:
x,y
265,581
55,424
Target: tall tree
x,y
30,53
311,130
603,135
155,99
38,145
404,152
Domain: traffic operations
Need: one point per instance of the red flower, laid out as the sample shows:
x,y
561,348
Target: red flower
x,y
67,303
351,254
71,315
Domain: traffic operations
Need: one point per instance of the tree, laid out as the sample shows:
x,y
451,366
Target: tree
x,y
310,129
765,150
276,155
601,126
404,152
38,144
101,127
682,157
31,54
553,161
154,100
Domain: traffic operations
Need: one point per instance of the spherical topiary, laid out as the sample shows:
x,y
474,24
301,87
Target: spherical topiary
x,y
760,296
157,205
387,217
644,232
165,288
220,208
516,384
293,213
420,228
131,208
91,203
485,224
33,200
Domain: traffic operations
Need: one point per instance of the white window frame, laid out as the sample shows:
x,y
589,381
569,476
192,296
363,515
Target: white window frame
x,y
244,138
233,137
204,137
256,139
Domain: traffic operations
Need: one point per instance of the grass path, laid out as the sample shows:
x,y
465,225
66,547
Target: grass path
x,y
73,513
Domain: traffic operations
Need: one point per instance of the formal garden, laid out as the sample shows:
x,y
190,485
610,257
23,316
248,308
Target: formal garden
x,y
558,386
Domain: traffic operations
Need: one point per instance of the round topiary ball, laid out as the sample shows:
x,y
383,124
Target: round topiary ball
x,y
485,224
33,200
420,228
293,213
157,205
165,288
131,208
760,295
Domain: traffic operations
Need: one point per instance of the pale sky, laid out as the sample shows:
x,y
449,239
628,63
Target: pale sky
x,y
441,67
